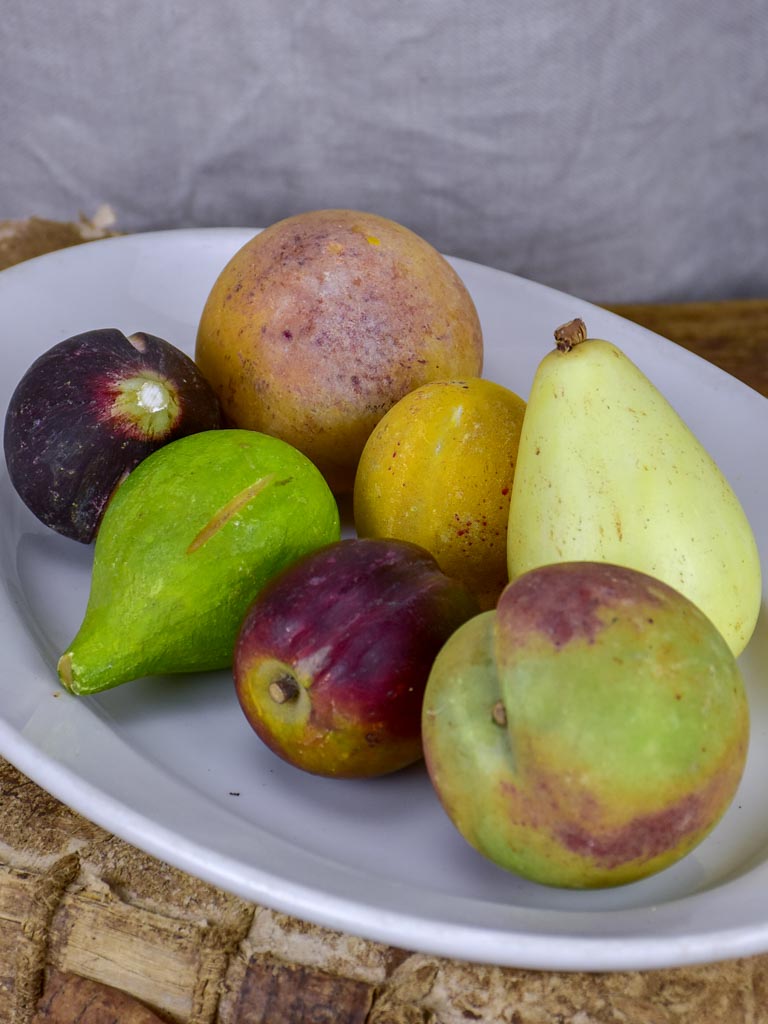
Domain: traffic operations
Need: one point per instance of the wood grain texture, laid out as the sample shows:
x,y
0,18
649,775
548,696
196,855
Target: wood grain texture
x,y
94,931
69,999
732,334
275,991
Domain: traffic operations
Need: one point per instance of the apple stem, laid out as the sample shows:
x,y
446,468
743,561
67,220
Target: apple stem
x,y
498,713
283,689
570,334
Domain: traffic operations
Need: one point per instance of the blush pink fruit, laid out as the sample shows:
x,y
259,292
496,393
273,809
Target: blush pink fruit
x,y
590,731
332,659
320,323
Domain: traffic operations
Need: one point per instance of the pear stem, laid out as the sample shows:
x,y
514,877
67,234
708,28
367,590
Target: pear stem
x,y
570,334
283,689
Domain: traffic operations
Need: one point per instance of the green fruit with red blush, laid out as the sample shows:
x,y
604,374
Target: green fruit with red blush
x,y
590,731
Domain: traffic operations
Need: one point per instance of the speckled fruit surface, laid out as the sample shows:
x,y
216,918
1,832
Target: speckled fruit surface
x,y
321,322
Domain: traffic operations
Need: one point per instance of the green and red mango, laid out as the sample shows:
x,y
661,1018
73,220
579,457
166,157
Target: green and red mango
x,y
588,732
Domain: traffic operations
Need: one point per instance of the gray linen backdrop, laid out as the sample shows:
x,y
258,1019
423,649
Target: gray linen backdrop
x,y
617,150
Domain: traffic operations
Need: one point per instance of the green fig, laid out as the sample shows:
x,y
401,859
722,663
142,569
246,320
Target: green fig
x,y
607,471
185,545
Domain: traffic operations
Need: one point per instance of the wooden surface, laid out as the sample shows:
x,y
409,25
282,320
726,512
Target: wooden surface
x,y
94,931
732,334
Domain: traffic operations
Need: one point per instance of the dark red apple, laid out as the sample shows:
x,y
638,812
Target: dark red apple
x,y
87,411
332,658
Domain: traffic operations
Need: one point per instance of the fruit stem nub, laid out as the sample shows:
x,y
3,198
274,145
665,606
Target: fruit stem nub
x,y
499,713
283,689
570,334
64,669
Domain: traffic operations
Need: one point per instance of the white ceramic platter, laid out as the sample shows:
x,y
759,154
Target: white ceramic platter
x,y
171,765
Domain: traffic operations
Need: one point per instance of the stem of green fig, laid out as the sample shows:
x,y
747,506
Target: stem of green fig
x,y
570,334
64,669
283,689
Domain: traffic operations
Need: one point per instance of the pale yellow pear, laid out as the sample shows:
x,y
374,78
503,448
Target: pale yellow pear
x,y
608,471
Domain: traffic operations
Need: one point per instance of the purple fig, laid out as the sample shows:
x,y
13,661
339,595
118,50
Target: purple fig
x,y
332,658
90,409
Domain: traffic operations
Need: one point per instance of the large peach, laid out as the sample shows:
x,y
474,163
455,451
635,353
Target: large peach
x,y
320,323
590,731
